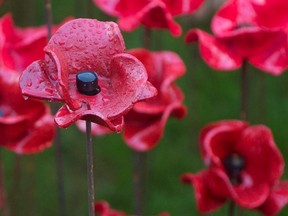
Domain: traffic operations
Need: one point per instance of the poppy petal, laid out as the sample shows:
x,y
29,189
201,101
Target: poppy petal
x,y
214,51
271,8
103,208
142,132
65,117
219,139
274,57
38,137
258,148
35,83
206,201
183,6
153,15
277,199
245,196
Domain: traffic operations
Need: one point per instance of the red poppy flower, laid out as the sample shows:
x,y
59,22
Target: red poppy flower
x,y
145,123
20,46
150,13
244,165
21,121
238,37
103,209
26,125
92,50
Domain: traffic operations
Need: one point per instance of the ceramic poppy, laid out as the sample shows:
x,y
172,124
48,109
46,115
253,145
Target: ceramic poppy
x,y
244,165
238,37
145,123
152,14
26,125
86,68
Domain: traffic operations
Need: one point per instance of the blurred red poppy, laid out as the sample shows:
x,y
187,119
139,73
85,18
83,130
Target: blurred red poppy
x,y
26,125
238,37
150,13
103,209
145,123
20,46
244,165
93,47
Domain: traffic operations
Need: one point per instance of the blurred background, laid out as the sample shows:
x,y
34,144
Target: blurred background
x,y
209,96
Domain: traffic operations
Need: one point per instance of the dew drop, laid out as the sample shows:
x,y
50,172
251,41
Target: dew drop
x,y
61,43
41,80
50,91
74,25
103,46
54,77
29,83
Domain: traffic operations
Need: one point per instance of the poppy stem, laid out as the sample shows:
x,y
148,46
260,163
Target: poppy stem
x,y
243,116
140,158
262,98
59,172
139,168
58,141
48,14
90,7
147,38
244,92
90,174
3,198
231,208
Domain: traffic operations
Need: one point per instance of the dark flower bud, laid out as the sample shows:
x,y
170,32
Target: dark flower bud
x,y
87,83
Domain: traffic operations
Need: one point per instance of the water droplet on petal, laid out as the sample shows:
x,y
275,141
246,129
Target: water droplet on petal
x,y
50,91
29,83
74,25
61,43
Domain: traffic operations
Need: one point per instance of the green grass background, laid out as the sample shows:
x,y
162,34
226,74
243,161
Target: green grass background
x,y
209,96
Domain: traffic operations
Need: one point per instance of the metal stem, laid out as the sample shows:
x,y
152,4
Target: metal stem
x,y
90,174
244,91
139,171
5,207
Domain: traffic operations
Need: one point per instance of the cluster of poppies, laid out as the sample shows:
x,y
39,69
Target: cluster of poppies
x,y
86,67
243,162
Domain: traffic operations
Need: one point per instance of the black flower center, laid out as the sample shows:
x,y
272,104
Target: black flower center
x,y
234,164
87,83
